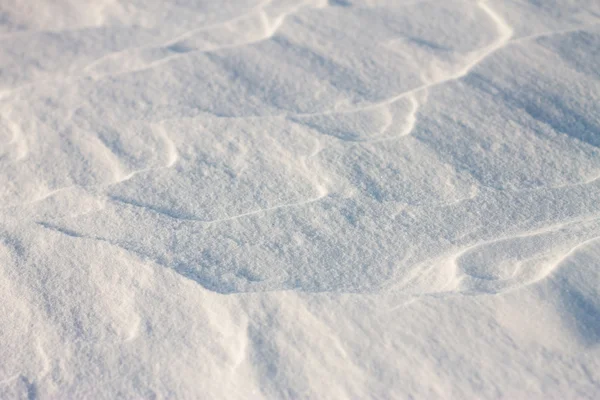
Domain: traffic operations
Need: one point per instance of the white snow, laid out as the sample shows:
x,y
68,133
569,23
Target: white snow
x,y
341,199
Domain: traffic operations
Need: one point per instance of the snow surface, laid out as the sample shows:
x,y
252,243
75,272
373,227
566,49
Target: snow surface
x,y
280,199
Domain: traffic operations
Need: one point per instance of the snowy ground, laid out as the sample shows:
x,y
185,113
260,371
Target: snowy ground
x,y
280,199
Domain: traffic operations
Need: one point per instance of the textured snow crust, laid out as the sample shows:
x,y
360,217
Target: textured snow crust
x,y
285,199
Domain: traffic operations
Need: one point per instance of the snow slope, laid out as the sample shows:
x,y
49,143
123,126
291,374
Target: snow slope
x,y
284,199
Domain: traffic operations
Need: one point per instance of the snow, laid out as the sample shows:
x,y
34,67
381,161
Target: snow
x,y
282,199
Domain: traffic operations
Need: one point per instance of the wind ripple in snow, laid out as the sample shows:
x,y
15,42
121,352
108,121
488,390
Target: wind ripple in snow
x,y
271,150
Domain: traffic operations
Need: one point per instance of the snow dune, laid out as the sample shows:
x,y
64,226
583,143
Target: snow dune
x,y
284,199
